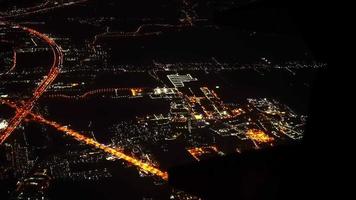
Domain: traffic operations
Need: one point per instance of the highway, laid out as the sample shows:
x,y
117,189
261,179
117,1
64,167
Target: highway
x,y
45,83
134,92
13,61
45,7
146,167
24,111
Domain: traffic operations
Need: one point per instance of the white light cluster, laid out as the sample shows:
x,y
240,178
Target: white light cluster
x,y
3,124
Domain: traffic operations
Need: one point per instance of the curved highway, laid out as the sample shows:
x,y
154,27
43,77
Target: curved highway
x,y
13,61
45,83
25,111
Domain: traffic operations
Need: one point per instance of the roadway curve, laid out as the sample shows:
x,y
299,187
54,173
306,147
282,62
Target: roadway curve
x,y
13,61
26,111
45,83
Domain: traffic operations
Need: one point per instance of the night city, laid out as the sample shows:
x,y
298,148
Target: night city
x,y
100,99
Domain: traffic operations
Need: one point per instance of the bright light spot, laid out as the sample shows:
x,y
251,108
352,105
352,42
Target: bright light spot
x,y
3,124
259,136
157,91
198,117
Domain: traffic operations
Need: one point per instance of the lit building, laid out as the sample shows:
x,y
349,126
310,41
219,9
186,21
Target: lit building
x,y
179,80
3,124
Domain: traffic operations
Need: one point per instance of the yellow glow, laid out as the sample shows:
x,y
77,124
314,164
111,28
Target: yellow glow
x,y
198,117
259,136
136,91
117,153
199,151
146,167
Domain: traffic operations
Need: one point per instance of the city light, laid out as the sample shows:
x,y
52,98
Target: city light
x,y
89,141
197,152
146,167
3,124
259,136
98,94
45,83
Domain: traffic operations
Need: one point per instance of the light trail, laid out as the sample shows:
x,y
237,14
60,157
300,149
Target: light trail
x,y
89,141
39,9
134,92
146,167
34,42
54,71
13,61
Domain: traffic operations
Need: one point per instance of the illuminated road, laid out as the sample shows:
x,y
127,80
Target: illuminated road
x,y
146,167
38,9
25,111
54,71
134,92
13,61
